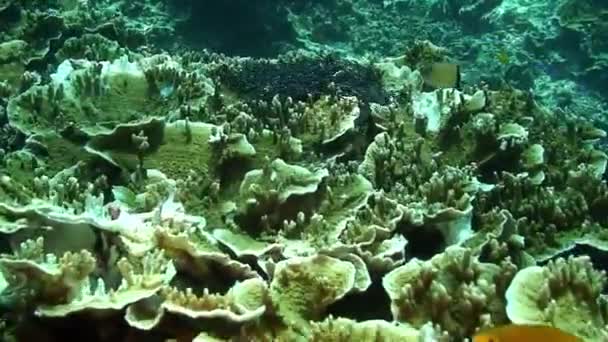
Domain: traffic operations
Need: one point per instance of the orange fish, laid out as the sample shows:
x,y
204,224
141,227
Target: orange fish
x,y
524,333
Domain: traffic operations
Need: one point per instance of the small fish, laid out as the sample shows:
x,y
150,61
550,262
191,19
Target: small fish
x,y
441,75
524,333
503,57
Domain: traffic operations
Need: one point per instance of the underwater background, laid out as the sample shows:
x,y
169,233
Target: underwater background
x,y
289,170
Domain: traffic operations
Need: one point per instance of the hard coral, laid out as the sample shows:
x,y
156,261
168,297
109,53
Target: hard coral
x,y
453,290
565,293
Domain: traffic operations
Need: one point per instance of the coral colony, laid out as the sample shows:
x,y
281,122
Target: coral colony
x,y
348,170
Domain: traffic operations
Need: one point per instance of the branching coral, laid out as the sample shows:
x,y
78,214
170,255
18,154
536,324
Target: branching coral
x,y
138,281
452,289
564,293
278,192
53,279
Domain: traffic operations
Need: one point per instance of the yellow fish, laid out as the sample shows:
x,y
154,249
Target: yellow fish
x,y
441,75
503,57
524,333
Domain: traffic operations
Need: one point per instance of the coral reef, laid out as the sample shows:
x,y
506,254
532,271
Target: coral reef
x,y
153,190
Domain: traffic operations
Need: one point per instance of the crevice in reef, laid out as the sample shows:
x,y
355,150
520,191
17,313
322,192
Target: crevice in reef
x,y
371,304
422,242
